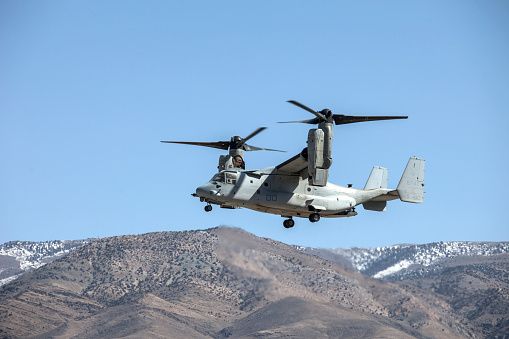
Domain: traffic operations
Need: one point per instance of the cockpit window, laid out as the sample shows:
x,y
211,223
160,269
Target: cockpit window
x,y
219,177
228,178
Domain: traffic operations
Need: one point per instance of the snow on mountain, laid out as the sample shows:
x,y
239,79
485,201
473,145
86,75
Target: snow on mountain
x,y
393,262
19,257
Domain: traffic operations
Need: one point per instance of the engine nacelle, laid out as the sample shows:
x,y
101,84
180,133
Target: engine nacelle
x,y
233,160
319,155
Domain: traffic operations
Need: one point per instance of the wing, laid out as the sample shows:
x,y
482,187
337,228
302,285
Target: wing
x,y
293,165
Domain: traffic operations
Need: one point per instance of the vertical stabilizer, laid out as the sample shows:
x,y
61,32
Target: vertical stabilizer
x,y
411,185
377,178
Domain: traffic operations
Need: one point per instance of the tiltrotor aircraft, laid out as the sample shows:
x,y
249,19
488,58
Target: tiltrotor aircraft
x,y
298,187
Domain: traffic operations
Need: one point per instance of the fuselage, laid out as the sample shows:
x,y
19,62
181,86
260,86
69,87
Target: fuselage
x,y
267,191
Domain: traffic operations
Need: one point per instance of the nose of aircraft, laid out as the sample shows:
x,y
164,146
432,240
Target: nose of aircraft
x,y
203,191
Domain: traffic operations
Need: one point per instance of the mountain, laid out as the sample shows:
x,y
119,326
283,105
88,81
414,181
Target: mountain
x,y
218,283
19,257
471,278
402,262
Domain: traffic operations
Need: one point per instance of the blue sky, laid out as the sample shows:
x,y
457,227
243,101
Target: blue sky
x,y
89,88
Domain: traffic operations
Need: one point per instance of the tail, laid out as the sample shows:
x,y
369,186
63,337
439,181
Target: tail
x,y
411,185
377,179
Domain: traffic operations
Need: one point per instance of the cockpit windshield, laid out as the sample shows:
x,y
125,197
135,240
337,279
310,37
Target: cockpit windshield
x,y
219,177
225,178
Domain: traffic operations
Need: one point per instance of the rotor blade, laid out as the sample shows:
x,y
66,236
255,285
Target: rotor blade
x,y
219,144
317,114
341,119
310,121
253,134
296,103
247,147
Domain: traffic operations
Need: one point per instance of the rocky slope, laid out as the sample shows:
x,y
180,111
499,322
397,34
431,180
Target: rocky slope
x,y
216,283
472,278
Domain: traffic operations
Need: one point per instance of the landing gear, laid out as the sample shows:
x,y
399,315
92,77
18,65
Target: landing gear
x,y
208,208
314,217
288,223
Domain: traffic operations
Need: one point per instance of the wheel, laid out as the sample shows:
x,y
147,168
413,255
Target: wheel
x,y
314,217
208,208
288,223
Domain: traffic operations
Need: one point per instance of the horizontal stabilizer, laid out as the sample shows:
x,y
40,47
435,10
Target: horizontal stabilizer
x,y
379,206
411,185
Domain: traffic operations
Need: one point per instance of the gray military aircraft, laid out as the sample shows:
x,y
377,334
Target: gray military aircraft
x,y
298,187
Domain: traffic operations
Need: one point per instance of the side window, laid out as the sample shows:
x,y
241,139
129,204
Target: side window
x,y
231,178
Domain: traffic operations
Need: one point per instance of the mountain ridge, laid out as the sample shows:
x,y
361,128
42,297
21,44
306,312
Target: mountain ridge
x,y
397,262
391,263
214,283
225,282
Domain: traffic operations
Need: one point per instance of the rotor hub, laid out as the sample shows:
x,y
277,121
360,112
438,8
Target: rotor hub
x,y
236,142
327,113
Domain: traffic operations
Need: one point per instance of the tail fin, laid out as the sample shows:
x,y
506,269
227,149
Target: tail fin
x,y
377,179
411,185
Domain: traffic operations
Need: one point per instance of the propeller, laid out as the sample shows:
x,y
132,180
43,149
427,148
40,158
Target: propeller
x,y
325,115
235,142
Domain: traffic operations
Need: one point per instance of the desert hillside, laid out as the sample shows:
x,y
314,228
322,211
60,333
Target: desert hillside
x,y
221,283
